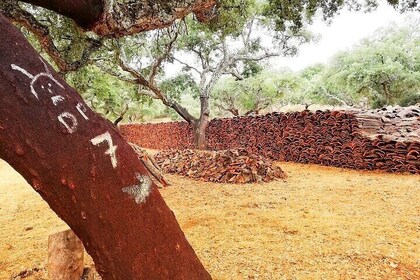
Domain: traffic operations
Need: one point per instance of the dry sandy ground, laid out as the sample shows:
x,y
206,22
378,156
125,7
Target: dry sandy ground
x,y
323,223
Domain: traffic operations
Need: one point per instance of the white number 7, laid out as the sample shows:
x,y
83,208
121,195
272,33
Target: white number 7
x,y
111,151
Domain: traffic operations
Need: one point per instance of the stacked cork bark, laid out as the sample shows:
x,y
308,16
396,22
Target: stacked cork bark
x,y
170,135
388,139
235,166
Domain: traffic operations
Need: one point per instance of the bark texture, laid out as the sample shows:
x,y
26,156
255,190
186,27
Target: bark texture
x,y
119,18
201,124
79,163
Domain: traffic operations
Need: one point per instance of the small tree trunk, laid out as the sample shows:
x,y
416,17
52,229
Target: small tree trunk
x,y
202,123
234,111
85,170
200,135
387,93
65,256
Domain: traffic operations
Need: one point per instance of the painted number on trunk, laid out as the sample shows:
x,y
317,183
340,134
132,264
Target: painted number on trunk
x,y
43,84
106,137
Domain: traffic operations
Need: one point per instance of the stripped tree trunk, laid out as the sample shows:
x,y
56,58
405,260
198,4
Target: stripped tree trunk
x,y
201,124
80,164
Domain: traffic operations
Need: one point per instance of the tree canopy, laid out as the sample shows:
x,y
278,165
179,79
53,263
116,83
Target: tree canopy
x,y
293,13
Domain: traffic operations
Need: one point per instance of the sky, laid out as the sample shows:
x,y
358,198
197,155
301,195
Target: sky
x,y
346,29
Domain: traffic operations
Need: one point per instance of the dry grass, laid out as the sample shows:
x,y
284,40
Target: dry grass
x,y
323,223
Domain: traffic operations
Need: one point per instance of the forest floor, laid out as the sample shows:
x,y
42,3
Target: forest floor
x,y
322,223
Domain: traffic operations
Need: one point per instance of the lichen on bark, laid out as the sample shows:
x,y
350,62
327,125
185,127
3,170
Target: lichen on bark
x,y
127,17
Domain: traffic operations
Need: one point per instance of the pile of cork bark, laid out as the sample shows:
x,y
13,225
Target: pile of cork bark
x,y
224,166
391,123
386,139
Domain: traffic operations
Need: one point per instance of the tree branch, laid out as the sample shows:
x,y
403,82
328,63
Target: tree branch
x,y
141,80
158,62
187,65
120,18
42,33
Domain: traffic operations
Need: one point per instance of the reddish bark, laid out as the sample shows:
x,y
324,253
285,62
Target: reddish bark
x,y
84,12
120,18
95,184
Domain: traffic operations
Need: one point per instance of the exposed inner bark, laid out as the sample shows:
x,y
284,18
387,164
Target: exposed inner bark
x,y
80,164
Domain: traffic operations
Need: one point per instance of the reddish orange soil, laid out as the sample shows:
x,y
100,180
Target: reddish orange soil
x,y
323,223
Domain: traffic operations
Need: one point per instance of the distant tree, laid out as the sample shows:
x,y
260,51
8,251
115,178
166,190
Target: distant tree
x,y
384,68
226,95
252,95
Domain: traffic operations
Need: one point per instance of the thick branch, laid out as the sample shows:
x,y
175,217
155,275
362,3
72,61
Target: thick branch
x,y
141,80
119,18
335,97
158,61
84,12
121,116
187,65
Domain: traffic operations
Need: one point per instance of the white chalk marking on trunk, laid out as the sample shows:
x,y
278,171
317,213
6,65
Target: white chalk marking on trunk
x,y
70,128
23,71
111,151
57,99
82,110
141,191
35,78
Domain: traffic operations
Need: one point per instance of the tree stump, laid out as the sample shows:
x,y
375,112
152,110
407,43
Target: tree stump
x,y
65,256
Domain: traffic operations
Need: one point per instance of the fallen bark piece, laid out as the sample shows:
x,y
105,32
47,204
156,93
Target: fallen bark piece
x,y
65,256
236,166
151,165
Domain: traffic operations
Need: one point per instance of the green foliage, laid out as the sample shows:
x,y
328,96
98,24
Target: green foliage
x,y
256,93
294,13
312,71
182,84
110,96
384,68
410,99
251,68
231,16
